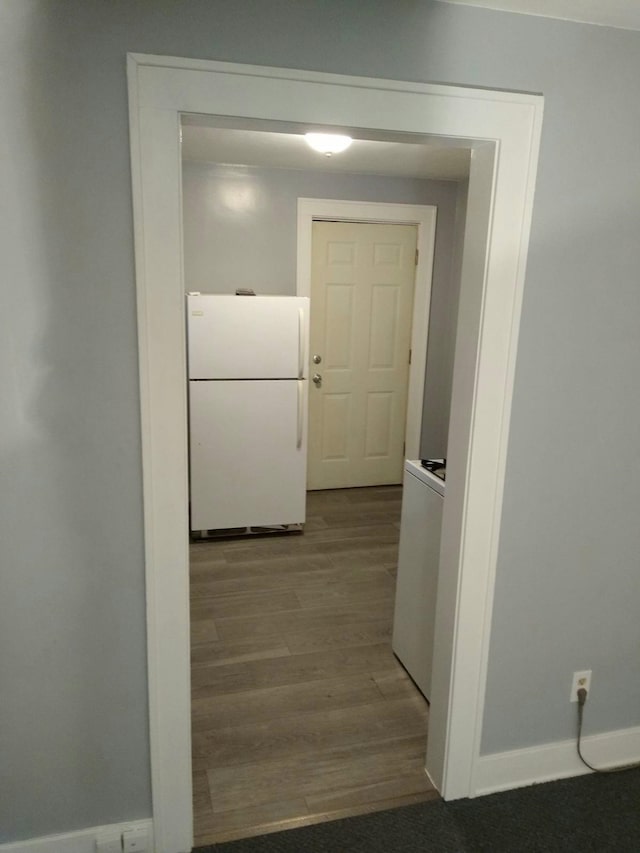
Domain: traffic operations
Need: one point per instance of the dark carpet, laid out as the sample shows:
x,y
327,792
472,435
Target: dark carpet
x,y
590,813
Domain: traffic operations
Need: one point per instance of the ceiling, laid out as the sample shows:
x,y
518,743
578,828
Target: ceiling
x,y
289,151
608,13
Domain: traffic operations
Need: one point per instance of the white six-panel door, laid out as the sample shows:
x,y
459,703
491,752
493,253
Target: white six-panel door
x,y
362,284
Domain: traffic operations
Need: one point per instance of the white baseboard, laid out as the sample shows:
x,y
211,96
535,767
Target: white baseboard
x,y
82,841
520,767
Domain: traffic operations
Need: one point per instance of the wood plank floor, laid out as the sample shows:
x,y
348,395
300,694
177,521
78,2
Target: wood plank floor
x,y
300,711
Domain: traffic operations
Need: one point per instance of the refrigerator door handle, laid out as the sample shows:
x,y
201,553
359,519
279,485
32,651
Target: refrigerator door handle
x,y
300,413
301,343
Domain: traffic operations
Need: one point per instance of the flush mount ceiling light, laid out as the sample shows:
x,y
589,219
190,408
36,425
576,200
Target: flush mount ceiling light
x,y
328,143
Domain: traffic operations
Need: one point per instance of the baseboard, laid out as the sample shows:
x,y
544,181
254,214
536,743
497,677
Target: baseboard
x,y
520,767
82,841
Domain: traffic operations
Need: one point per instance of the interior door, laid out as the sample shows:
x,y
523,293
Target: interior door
x,y
362,284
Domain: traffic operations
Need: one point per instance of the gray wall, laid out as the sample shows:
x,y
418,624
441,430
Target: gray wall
x,y
443,321
73,700
240,231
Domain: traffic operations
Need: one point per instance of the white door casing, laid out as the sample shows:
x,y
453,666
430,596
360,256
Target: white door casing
x,y
503,129
362,286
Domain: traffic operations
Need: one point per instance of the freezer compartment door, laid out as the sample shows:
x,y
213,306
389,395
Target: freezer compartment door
x,y
247,453
247,337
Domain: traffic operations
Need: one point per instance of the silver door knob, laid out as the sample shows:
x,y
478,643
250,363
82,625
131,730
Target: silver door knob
x,y
317,379
317,359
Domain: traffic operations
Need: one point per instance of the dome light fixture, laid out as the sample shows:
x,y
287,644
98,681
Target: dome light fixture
x,y
328,143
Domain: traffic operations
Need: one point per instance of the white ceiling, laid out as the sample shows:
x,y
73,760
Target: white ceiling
x,y
290,151
608,13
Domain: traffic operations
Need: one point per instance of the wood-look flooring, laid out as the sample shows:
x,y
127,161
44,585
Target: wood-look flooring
x,y
300,711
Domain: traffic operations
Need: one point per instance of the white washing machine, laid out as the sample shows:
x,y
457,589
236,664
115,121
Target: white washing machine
x,y
418,562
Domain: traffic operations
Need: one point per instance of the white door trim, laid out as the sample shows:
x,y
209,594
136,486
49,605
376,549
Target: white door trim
x,y
504,131
424,217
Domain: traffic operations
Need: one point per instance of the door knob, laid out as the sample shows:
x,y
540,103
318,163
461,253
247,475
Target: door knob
x,y
317,379
317,359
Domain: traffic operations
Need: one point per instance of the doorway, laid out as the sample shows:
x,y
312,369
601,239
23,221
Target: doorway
x,y
504,131
292,670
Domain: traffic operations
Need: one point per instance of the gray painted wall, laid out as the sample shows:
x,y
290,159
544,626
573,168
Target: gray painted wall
x,y
443,322
240,226
73,699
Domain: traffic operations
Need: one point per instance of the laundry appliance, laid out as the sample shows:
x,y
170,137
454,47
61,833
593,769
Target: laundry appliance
x,y
418,565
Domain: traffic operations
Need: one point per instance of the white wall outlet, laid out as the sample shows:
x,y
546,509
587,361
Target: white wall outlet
x,y
136,840
580,679
109,842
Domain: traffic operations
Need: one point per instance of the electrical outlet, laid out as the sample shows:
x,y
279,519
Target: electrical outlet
x,y
580,679
135,841
109,842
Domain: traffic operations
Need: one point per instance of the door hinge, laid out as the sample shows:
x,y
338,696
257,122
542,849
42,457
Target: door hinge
x,y
409,356
417,256
404,447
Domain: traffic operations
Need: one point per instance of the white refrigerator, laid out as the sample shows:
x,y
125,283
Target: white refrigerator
x,y
247,364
